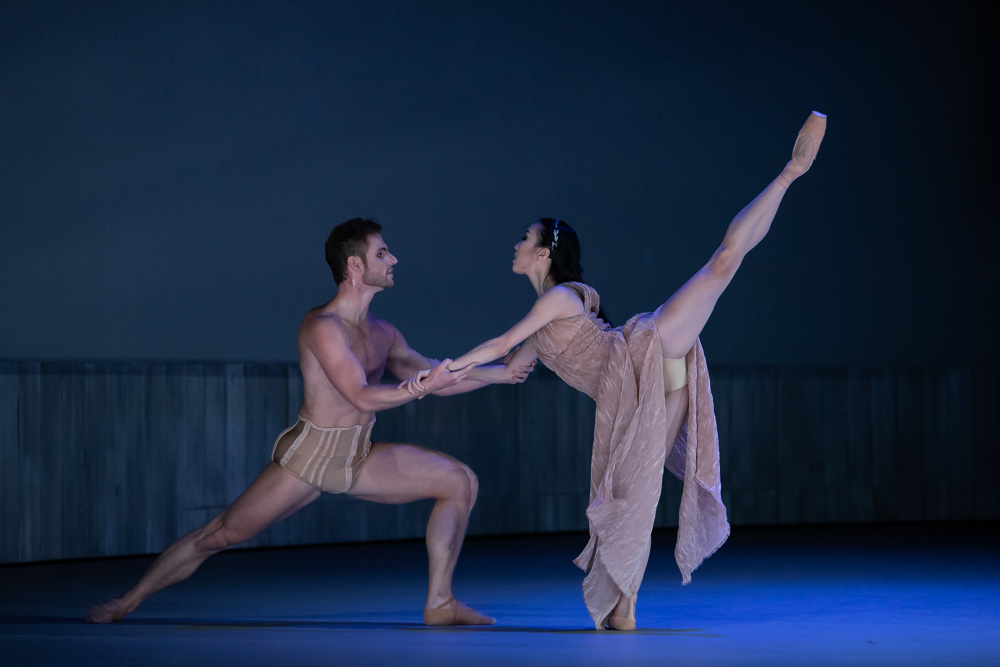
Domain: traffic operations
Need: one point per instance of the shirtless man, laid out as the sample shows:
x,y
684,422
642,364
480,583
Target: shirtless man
x,y
343,352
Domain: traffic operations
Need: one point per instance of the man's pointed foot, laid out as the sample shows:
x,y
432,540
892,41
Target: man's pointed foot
x,y
109,612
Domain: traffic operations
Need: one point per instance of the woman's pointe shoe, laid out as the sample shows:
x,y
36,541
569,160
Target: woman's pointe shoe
x,y
805,149
623,619
460,614
110,611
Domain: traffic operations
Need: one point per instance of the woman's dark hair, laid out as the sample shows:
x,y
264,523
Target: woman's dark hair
x,y
349,239
564,253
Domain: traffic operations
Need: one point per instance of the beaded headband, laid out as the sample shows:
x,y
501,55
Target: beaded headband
x,y
555,234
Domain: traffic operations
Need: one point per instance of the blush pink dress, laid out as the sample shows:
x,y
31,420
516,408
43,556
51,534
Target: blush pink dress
x,y
622,370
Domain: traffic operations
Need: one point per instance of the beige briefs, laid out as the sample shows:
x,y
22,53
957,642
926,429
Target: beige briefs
x,y
675,374
328,458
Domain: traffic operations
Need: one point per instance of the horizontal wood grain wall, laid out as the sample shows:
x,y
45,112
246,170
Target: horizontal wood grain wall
x,y
121,458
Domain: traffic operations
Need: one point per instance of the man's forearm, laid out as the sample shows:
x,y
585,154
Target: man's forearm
x,y
374,398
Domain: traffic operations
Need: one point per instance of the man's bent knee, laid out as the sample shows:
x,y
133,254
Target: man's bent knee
x,y
474,485
462,485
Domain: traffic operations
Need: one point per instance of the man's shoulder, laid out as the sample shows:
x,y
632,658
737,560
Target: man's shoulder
x,y
321,315
320,320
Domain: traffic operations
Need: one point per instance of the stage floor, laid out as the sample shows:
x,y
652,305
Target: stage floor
x,y
918,594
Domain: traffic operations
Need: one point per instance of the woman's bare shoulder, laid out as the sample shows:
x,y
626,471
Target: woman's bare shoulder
x,y
562,299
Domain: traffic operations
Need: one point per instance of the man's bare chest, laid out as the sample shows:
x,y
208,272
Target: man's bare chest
x,y
372,350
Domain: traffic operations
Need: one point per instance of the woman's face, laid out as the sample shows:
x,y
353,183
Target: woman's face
x,y
526,250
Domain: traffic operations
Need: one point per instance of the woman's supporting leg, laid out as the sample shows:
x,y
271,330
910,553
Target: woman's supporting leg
x,y
676,399
685,313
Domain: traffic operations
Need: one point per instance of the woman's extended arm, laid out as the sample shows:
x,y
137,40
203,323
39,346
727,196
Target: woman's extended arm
x,y
513,369
555,303
516,367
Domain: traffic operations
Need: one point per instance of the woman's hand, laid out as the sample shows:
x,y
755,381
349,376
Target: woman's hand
x,y
517,374
415,384
467,367
428,381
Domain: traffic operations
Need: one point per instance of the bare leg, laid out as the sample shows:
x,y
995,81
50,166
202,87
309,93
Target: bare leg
x,y
272,496
684,315
623,616
398,473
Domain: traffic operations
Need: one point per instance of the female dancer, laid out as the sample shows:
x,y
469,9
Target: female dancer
x,y
650,381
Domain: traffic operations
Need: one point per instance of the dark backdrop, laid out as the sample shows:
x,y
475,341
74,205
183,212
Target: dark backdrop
x,y
169,170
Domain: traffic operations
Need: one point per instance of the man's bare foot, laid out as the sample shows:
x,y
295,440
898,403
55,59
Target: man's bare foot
x,y
453,612
806,147
109,612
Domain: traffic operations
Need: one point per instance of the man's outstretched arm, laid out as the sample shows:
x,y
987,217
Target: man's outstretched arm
x,y
327,340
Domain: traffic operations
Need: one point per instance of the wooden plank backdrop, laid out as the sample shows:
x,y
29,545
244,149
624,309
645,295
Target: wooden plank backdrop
x,y
121,458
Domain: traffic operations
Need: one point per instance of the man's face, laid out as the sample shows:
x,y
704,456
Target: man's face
x,y
378,263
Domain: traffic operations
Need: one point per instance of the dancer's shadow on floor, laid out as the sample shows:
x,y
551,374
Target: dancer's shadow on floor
x,y
690,632
210,624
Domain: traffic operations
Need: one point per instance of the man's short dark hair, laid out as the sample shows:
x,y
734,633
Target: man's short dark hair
x,y
349,239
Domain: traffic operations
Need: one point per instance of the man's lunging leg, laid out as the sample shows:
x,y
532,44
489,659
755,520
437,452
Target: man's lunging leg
x,y
274,495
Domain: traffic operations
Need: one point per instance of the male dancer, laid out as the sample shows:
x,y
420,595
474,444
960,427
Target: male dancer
x,y
343,352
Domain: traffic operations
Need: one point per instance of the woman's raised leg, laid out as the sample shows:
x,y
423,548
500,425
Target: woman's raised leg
x,y
684,315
